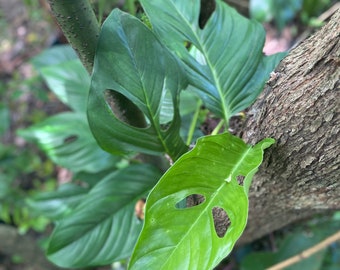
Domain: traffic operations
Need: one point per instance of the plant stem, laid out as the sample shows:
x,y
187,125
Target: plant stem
x,y
80,26
193,123
218,127
130,6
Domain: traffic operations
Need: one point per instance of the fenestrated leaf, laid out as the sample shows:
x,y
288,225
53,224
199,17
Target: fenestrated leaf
x,y
70,82
103,227
132,62
68,141
225,63
175,238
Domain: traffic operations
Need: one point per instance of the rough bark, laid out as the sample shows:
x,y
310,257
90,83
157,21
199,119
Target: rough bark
x,y
300,109
79,25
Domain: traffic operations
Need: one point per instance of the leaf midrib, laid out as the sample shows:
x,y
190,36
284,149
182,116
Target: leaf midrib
x,y
215,76
153,121
238,164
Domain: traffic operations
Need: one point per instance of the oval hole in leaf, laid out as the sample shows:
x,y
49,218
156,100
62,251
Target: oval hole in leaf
x,y
70,139
187,45
240,179
205,12
113,98
221,221
190,201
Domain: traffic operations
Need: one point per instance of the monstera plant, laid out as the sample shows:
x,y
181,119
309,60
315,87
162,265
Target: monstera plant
x,y
166,70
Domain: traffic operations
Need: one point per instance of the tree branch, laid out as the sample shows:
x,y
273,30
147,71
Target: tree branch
x,y
80,26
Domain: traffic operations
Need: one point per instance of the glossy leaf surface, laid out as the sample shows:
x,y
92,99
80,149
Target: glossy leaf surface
x,y
103,227
225,63
132,62
175,238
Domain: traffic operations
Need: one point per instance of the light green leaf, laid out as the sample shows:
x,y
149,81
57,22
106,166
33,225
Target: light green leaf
x,y
176,238
67,140
103,227
54,56
132,62
70,82
225,63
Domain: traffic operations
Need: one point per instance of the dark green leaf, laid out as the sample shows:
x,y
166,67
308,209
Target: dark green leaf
x,y
103,228
132,62
176,238
225,63
56,204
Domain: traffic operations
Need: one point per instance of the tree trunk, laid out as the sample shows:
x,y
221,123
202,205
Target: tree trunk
x,y
300,109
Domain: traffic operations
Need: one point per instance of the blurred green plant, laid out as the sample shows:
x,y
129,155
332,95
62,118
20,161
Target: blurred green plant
x,y
15,166
296,241
284,12
163,81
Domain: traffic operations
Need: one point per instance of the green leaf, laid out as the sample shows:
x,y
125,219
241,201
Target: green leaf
x,y
130,62
70,82
103,227
67,140
176,238
225,63
56,204
54,56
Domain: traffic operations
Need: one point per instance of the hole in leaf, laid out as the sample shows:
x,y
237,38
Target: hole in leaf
x,y
70,139
139,209
190,201
125,110
187,45
207,8
221,221
240,179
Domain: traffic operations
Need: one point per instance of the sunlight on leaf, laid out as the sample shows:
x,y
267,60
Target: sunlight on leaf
x,y
176,237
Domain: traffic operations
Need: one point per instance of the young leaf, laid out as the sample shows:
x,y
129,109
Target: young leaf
x,y
131,62
103,227
67,140
225,63
185,238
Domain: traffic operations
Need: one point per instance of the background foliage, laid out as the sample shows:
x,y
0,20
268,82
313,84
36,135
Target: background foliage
x,y
112,184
